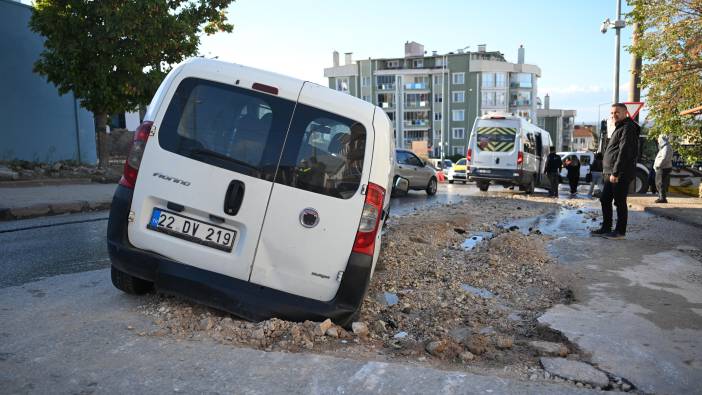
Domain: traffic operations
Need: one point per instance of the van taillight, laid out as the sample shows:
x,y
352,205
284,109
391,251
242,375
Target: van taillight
x,y
136,151
469,154
520,157
370,218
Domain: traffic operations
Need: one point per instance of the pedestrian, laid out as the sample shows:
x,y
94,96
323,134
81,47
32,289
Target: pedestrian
x,y
618,167
596,175
663,165
572,165
554,164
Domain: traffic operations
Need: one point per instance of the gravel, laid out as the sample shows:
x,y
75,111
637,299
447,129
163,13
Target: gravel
x,y
422,305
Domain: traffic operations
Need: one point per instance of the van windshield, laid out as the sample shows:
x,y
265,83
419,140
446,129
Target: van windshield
x,y
496,136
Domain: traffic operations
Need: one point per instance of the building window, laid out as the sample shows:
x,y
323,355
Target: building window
x,y
458,115
438,98
438,80
458,96
421,82
386,100
385,82
520,80
520,99
487,99
416,118
392,64
391,115
366,98
342,85
458,78
458,150
488,80
417,100
459,133
418,63
437,116
440,62
500,80
365,81
500,99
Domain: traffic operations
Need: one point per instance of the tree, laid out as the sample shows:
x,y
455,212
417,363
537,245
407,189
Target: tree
x,y
113,54
671,48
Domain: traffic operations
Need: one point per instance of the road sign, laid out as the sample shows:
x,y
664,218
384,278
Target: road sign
x,y
633,108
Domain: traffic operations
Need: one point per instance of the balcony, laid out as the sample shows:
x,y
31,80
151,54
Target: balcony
x,y
416,86
387,105
417,105
416,124
386,87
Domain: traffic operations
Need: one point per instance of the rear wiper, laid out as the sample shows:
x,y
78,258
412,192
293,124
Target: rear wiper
x,y
220,156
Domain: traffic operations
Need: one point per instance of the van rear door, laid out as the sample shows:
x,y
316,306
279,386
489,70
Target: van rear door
x,y
315,207
496,143
207,173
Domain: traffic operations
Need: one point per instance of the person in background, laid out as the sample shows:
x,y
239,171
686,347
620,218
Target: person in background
x,y
553,170
596,175
663,165
572,165
618,167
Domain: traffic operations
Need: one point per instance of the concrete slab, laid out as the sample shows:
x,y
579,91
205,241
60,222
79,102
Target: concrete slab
x,y
638,304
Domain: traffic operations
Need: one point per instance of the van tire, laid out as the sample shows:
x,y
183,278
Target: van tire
x,y
130,284
354,317
464,182
529,188
640,178
431,187
450,181
483,186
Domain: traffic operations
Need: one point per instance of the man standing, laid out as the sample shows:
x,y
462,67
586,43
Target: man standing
x,y
618,167
553,169
663,165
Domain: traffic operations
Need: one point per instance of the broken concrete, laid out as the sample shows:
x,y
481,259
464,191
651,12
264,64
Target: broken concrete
x,y
576,371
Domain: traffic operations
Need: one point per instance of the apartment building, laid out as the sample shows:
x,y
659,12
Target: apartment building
x,y
436,98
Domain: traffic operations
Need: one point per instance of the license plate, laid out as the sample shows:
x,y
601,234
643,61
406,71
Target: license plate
x,y
192,230
484,171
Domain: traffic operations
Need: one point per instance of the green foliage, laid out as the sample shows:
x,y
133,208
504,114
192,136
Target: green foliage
x,y
113,54
671,48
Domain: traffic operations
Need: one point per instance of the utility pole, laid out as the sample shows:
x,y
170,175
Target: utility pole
x,y
618,25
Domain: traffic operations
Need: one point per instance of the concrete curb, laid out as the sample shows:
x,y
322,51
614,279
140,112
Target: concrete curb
x,y
43,210
659,212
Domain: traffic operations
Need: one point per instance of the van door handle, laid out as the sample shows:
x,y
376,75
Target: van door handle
x,y
234,197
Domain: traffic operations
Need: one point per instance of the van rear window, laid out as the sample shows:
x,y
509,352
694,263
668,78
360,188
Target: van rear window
x,y
496,139
324,153
226,126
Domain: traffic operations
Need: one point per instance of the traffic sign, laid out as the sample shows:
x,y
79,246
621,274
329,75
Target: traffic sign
x,y
633,108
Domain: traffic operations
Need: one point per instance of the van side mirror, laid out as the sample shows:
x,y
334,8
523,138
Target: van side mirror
x,y
400,186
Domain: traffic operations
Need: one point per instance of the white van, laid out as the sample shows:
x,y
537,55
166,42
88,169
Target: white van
x,y
254,193
508,150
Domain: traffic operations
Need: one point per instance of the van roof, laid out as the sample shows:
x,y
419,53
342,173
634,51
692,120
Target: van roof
x,y
500,115
269,77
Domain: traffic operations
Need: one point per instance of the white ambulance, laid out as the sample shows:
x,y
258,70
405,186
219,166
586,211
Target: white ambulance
x,y
254,193
507,150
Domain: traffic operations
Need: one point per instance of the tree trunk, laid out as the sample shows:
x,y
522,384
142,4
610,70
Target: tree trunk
x,y
101,140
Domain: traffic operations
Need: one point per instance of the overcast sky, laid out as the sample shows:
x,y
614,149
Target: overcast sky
x,y
562,37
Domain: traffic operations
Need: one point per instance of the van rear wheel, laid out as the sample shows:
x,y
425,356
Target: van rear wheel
x,y
529,188
130,284
483,186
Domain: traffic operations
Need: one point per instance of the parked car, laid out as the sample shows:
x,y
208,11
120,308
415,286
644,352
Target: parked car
x,y
459,171
419,175
254,193
508,150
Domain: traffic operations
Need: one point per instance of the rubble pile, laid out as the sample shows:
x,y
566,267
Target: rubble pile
x,y
429,300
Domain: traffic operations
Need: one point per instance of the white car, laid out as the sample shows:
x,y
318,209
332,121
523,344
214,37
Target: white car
x,y
254,193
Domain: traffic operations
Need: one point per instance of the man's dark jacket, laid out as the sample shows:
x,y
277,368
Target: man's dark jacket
x,y
553,163
622,149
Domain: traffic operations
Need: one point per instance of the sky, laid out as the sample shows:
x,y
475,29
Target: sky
x,y
562,37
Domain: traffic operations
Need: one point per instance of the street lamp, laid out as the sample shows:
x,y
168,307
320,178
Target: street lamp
x,y
617,25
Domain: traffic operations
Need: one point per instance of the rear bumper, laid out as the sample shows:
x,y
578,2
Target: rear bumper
x,y
511,176
242,298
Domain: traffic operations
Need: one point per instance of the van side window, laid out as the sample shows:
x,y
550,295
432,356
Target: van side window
x,y
584,160
323,153
530,144
226,126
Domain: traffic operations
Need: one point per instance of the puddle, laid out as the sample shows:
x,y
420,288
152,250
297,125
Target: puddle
x,y
475,239
483,293
565,222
